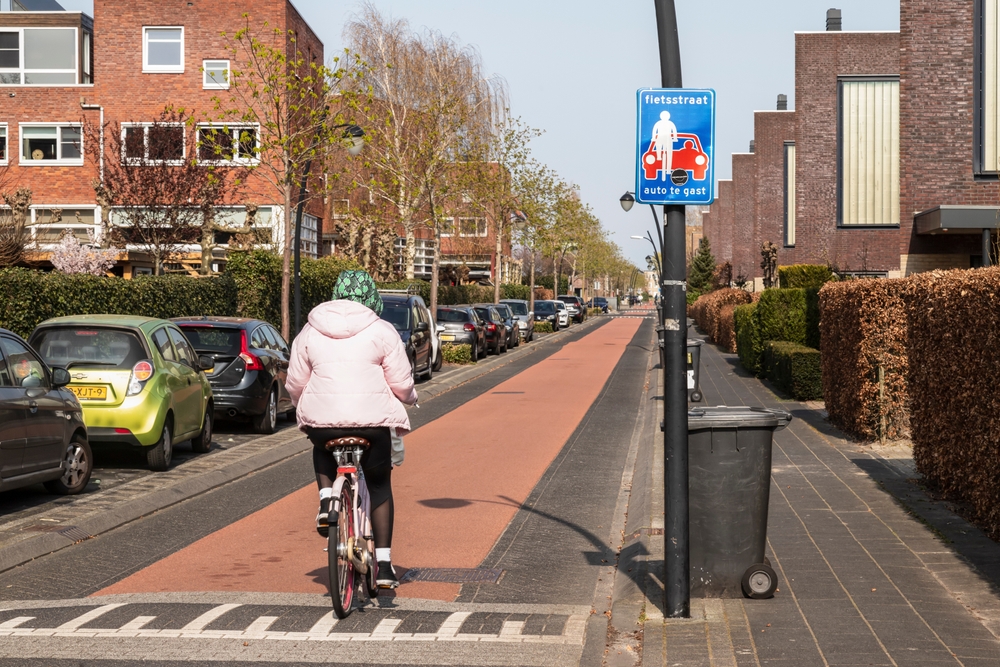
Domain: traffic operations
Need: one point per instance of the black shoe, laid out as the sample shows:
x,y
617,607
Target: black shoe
x,y
323,517
386,575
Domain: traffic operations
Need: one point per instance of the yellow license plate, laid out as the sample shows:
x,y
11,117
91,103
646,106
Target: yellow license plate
x,y
90,393
447,338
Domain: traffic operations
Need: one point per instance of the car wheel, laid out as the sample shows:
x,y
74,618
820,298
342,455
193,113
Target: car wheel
x,y
429,375
474,354
267,422
203,443
159,455
78,463
438,361
413,368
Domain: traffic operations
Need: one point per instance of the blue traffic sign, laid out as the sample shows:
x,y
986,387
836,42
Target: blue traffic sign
x,y
675,143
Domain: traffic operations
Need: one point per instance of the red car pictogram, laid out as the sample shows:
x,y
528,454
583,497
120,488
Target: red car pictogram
x,y
689,157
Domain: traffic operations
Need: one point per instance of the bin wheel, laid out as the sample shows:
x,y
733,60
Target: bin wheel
x,y
759,582
696,397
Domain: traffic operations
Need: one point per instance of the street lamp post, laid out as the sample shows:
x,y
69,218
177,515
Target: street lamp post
x,y
356,136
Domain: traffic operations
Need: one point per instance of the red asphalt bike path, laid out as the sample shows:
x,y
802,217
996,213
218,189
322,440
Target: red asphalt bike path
x,y
464,477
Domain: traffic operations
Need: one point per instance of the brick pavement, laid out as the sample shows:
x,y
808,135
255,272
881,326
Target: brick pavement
x,y
866,577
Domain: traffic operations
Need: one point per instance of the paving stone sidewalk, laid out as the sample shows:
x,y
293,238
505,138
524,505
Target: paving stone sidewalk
x,y
872,571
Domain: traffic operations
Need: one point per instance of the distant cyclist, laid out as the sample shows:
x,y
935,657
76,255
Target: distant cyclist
x,y
348,373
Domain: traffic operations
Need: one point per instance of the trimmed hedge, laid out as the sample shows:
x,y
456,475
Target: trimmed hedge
x,y
31,297
781,315
863,329
749,344
804,276
813,338
707,310
953,322
456,354
543,327
449,294
727,328
793,368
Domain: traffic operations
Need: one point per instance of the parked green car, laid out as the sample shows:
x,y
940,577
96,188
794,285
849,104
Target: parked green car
x,y
138,379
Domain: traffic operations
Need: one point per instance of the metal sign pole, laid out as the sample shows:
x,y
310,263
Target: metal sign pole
x,y
673,290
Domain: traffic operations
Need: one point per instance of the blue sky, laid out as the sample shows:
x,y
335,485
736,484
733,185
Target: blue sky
x,y
573,68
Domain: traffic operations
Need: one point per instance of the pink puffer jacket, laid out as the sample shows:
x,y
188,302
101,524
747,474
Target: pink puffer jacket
x,y
349,369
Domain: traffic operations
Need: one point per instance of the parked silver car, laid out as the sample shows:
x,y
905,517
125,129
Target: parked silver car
x,y
525,317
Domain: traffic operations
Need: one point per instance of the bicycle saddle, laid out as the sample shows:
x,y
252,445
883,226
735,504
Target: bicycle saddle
x,y
349,441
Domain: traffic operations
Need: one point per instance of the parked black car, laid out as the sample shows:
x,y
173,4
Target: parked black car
x,y
545,311
251,364
462,326
42,434
599,302
510,322
496,330
409,315
577,311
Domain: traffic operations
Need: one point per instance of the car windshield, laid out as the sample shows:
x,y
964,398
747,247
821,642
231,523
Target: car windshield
x,y
214,340
518,308
560,305
544,307
396,314
448,315
504,313
89,346
484,313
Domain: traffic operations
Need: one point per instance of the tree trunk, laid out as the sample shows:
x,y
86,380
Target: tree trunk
x,y
497,272
531,281
557,271
435,261
286,264
411,252
207,244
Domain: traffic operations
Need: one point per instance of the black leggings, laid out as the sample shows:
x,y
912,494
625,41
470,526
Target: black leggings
x,y
377,464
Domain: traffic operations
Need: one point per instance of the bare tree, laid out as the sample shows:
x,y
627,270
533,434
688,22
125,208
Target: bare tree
x,y
14,234
154,184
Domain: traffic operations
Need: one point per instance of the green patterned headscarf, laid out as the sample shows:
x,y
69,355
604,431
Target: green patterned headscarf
x,y
359,287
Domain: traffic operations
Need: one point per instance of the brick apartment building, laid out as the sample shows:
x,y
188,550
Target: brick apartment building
x,y
60,70
888,165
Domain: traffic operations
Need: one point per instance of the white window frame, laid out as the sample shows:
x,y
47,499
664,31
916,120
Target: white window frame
x,y
789,194
5,159
478,234
444,225
20,70
59,161
37,224
233,128
206,84
145,143
160,69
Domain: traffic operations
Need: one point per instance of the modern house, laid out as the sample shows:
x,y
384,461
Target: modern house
x,y
61,71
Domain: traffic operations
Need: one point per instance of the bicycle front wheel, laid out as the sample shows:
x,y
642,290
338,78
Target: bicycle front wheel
x,y
341,542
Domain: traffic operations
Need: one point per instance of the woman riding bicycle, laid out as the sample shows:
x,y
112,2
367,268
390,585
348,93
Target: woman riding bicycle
x,y
348,373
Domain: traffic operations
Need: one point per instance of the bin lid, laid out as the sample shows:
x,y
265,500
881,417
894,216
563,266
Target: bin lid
x,y
695,342
735,416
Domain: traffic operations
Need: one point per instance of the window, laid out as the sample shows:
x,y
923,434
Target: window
x,y
3,144
447,227
228,143
162,343
185,354
163,49
258,339
156,143
26,369
868,137
472,226
309,239
61,144
38,56
986,129
215,74
423,260
789,194
87,78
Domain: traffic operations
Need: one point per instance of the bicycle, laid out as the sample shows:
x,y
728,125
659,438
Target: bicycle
x,y
350,551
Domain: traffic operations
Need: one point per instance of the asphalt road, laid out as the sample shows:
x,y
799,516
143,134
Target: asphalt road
x,y
539,511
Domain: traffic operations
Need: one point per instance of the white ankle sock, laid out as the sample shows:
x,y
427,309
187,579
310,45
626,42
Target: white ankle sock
x,y
383,555
326,493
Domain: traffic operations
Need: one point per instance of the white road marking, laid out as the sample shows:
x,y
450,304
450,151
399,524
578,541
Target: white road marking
x,y
385,628
88,617
323,626
202,621
137,623
452,624
260,626
14,622
511,628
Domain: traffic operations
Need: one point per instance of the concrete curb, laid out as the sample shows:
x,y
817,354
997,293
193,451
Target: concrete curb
x,y
289,444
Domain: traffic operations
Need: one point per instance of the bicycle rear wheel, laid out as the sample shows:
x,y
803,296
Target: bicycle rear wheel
x,y
341,541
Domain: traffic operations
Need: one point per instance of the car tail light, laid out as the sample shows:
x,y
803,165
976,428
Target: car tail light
x,y
141,372
123,431
252,362
469,327
491,327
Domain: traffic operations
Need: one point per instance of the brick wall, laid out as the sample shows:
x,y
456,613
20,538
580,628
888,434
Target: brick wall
x,y
744,215
724,222
708,231
819,59
937,77
771,130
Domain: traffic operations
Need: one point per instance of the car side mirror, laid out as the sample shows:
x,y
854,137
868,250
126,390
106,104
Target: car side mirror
x,y
422,326
205,363
440,329
60,377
